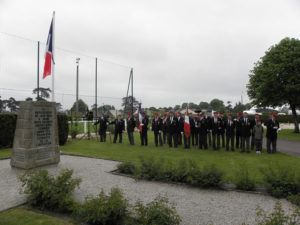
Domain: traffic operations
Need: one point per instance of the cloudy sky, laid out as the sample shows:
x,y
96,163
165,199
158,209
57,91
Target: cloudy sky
x,y
181,51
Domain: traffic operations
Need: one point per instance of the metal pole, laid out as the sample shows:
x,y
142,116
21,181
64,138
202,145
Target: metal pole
x,y
38,71
53,51
96,110
132,90
77,84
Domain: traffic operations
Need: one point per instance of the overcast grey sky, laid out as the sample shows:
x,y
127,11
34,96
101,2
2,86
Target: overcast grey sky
x,y
181,51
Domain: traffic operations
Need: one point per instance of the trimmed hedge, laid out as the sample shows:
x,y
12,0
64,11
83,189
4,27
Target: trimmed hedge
x,y
8,126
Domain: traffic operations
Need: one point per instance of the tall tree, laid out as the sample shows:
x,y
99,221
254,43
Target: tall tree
x,y
44,93
12,104
204,105
217,104
82,107
127,103
275,78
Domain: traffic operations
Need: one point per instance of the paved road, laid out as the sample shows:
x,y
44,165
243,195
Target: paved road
x,y
288,147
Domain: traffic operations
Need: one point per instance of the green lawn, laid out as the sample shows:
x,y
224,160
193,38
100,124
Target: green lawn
x,y
289,134
4,153
24,216
226,161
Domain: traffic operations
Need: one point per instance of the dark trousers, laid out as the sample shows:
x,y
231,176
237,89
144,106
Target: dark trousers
x,y
157,138
130,137
144,138
230,138
194,136
172,138
258,144
223,139
273,142
216,136
209,138
202,141
237,139
179,138
187,141
116,137
245,141
165,137
252,141
102,136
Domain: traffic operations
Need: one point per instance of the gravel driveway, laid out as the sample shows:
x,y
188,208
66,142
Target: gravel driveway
x,y
195,206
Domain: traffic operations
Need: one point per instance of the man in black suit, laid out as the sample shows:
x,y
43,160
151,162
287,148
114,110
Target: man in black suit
x,y
222,128
245,132
237,122
180,128
130,128
164,128
208,123
229,126
194,131
215,127
157,128
144,133
103,122
172,126
272,130
119,128
202,125
254,122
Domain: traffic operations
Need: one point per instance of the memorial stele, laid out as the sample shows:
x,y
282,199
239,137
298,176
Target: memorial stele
x,y
36,136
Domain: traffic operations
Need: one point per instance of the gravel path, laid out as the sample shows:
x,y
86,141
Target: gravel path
x,y
194,205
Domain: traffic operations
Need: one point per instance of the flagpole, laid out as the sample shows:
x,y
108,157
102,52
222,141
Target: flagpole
x,y
38,71
53,50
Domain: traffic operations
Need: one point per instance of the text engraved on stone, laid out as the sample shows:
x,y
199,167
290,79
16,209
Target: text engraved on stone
x,y
43,124
43,156
19,157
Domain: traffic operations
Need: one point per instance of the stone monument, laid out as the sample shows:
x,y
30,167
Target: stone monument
x,y
36,136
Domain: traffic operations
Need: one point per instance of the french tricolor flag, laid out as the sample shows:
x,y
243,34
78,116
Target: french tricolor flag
x,y
187,128
49,53
140,118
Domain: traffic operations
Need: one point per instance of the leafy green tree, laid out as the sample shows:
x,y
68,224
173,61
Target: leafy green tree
x,y
82,107
2,105
44,93
275,78
177,107
12,104
217,104
204,105
127,103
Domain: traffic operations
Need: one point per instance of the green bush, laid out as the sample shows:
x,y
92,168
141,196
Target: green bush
x,y
109,209
126,167
242,179
279,181
157,212
211,177
7,129
295,199
277,217
63,128
50,193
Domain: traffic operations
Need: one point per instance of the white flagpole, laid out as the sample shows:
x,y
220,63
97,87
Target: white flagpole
x,y
53,50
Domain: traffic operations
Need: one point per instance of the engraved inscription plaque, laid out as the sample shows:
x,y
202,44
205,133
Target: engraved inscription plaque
x,y
43,126
20,157
43,156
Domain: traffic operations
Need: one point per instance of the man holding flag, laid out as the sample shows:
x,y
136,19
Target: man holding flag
x,y
187,129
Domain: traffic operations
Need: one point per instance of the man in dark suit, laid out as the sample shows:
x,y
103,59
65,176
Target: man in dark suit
x,y
208,123
157,128
229,126
172,126
222,128
237,122
180,128
272,130
202,125
119,128
144,133
103,122
130,128
194,131
254,123
164,128
245,132
215,127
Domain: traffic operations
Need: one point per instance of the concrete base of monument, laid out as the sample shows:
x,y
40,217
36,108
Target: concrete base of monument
x,y
35,157
36,136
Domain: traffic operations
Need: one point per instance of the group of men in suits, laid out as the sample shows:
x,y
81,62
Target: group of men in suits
x,y
216,131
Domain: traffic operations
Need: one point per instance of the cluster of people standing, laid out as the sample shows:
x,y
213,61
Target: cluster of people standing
x,y
231,133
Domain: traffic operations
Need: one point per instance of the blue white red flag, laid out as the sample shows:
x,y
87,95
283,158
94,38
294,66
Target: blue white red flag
x,y
49,53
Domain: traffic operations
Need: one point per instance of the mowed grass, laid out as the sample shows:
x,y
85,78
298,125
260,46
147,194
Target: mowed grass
x,y
24,216
289,134
4,153
226,161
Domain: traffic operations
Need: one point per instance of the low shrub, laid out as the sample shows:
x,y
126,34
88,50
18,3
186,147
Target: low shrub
x,y
277,217
104,209
242,179
211,177
126,167
63,128
295,199
159,211
280,182
50,193
149,169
